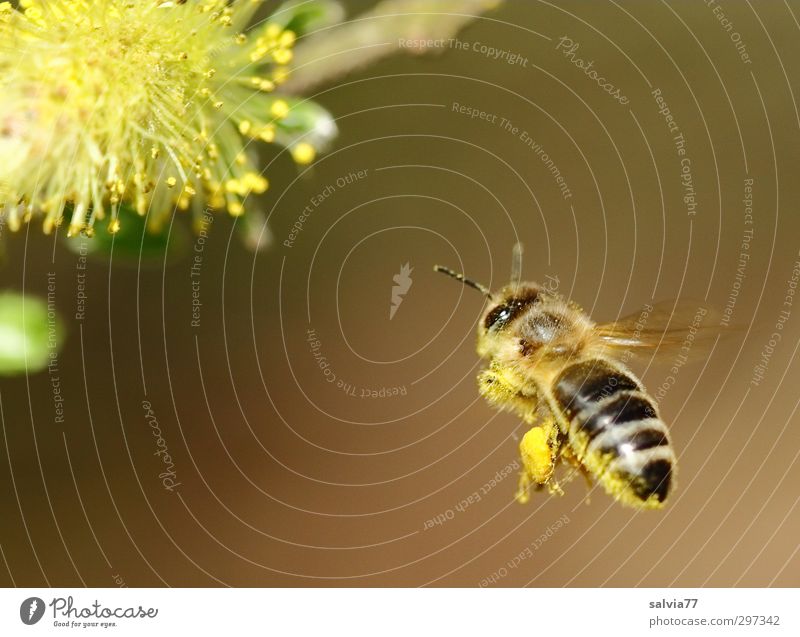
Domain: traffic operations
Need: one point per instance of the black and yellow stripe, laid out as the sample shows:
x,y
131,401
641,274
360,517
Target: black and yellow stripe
x,y
616,432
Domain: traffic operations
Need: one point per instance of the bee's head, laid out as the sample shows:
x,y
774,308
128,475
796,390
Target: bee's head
x,y
498,330
503,309
508,305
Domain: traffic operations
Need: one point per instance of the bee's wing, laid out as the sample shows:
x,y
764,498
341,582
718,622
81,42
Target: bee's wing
x,y
665,328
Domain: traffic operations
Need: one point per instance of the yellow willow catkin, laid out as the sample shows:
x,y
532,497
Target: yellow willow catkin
x,y
143,102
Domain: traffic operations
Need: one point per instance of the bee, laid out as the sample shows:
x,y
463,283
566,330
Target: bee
x,y
567,376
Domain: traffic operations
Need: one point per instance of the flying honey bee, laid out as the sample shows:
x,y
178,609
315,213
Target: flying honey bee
x,y
568,377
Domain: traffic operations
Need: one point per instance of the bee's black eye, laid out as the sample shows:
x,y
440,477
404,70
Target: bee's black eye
x,y
498,316
507,311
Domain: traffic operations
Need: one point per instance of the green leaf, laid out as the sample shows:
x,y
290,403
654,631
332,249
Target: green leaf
x,y
306,122
304,16
29,333
254,230
133,242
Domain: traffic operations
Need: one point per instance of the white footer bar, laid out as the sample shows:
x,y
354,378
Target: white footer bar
x,y
387,612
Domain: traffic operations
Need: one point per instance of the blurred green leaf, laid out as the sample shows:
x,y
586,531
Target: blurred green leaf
x,y
254,230
133,242
28,334
304,16
306,122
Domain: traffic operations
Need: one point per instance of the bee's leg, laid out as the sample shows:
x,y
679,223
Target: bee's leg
x,y
538,450
499,392
540,446
523,494
569,456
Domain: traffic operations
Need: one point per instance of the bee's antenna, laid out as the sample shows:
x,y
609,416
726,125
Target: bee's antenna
x,y
460,277
516,263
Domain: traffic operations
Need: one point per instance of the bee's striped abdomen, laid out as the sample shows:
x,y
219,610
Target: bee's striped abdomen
x,y
615,428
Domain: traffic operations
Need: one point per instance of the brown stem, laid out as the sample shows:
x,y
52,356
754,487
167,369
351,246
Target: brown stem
x,y
335,51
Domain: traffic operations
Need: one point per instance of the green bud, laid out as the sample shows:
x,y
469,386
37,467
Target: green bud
x,y
29,333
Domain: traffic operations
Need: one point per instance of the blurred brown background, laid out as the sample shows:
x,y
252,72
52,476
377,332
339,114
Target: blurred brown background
x,y
287,479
